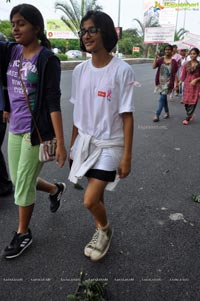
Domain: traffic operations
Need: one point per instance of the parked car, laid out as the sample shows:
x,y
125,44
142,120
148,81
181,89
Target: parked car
x,y
72,54
3,37
56,50
88,55
121,55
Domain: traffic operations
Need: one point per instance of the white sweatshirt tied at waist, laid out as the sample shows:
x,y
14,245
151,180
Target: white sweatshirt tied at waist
x,y
85,160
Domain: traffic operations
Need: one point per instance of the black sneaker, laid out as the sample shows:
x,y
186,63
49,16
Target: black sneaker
x,y
55,199
18,244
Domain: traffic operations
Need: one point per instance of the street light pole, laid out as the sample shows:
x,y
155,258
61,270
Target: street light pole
x,y
184,20
119,7
177,14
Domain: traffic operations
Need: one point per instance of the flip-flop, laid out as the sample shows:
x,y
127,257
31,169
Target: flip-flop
x,y
196,197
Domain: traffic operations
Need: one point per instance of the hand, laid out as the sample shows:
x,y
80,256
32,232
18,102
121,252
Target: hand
x,y
69,155
124,168
193,82
61,155
6,116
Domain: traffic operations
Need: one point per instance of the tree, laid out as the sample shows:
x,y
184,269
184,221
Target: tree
x,y
151,22
73,12
5,28
179,35
130,38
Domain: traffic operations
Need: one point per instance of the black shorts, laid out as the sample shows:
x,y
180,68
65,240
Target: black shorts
x,y
99,174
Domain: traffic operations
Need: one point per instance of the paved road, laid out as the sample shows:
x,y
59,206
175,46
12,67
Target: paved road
x,y
155,250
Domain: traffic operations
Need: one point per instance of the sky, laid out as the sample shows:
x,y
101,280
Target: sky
x,y
129,9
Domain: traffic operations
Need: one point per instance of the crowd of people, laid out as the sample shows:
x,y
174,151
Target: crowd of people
x,y
102,131
178,72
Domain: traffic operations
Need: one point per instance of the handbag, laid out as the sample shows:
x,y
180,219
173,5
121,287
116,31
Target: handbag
x,y
47,149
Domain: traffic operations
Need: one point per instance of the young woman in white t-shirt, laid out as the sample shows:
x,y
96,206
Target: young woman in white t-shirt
x,y
102,135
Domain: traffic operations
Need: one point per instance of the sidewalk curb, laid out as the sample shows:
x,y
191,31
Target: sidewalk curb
x,y
65,65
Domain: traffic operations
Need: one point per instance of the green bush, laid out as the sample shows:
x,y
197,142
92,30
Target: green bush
x,y
62,56
136,54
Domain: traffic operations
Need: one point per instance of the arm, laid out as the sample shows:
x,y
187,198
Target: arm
x,y
61,154
183,73
5,54
195,81
52,98
155,65
128,127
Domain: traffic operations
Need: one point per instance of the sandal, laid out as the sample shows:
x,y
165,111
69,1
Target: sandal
x,y
196,197
185,122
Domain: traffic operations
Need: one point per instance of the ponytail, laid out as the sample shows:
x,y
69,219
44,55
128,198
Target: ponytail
x,y
44,41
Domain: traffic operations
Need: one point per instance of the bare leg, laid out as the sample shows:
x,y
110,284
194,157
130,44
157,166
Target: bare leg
x,y
93,201
25,214
102,204
45,186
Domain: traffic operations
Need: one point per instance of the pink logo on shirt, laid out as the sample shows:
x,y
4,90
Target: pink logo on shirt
x,y
109,95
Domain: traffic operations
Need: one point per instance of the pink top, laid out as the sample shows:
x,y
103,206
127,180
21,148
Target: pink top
x,y
177,57
191,93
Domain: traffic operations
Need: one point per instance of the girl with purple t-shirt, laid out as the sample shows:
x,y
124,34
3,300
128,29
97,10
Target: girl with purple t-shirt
x,y
40,72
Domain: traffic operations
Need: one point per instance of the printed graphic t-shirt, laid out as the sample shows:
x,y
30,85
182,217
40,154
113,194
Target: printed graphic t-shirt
x,y
20,116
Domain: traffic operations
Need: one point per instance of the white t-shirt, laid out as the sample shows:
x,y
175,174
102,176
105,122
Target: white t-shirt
x,y
100,95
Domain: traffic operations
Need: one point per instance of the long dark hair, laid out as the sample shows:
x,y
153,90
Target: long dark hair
x,y
107,29
33,16
196,50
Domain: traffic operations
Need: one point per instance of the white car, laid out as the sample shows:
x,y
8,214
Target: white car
x,y
56,50
72,54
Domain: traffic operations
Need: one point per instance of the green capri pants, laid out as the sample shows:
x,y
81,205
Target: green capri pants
x,y
24,166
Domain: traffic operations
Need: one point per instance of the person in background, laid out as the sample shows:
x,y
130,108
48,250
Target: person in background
x,y
102,135
183,53
40,71
190,75
164,80
5,183
177,57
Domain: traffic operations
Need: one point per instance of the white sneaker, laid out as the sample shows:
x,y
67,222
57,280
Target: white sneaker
x,y
90,246
102,244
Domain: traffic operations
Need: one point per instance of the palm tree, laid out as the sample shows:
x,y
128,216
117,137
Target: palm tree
x,y
150,23
74,11
179,35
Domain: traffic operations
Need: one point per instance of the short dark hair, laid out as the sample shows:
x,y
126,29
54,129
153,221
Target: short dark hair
x,y
33,16
169,46
107,29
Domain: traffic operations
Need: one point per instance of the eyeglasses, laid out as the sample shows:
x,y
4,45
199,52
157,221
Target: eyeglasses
x,y
91,31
